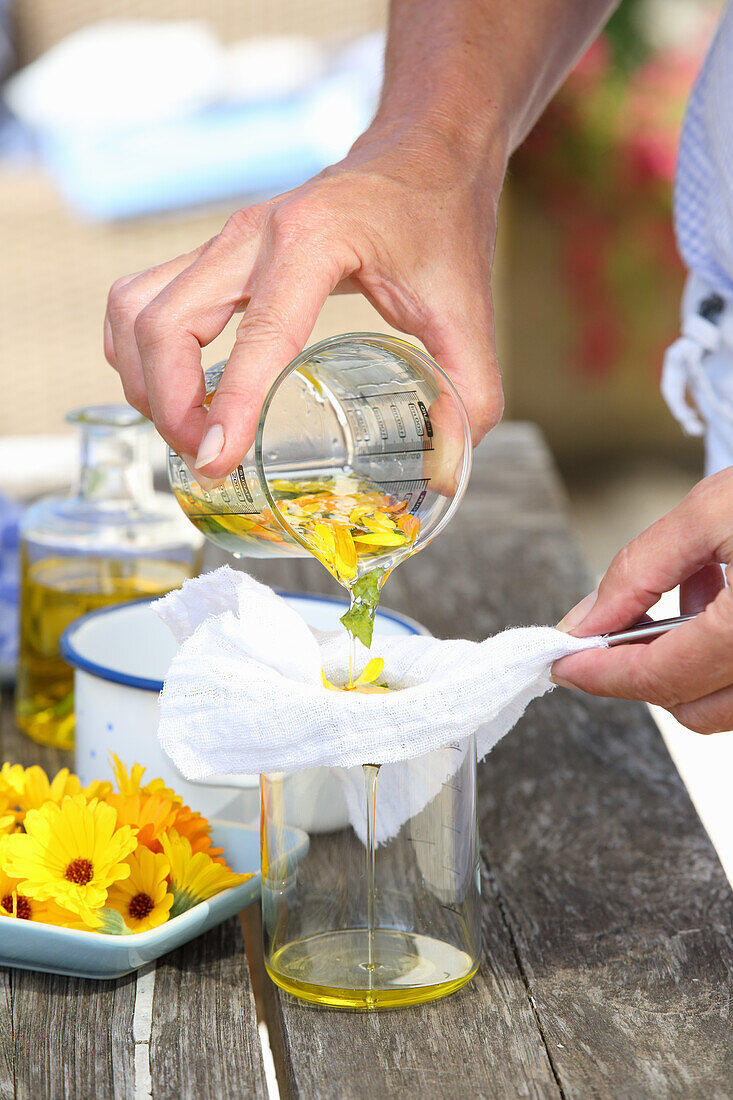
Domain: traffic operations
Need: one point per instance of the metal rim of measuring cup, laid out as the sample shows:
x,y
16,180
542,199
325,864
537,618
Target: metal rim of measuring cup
x,y
376,338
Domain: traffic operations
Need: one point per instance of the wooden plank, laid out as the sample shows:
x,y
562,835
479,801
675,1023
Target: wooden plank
x,y
7,1046
67,1037
617,903
61,1036
609,917
481,1042
73,1037
204,1042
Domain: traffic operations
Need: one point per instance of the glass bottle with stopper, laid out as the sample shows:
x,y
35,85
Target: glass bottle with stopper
x,y
113,538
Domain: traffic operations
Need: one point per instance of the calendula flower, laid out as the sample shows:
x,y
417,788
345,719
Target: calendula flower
x,y
143,899
70,853
37,789
9,814
12,780
194,876
195,828
150,814
30,788
14,903
131,782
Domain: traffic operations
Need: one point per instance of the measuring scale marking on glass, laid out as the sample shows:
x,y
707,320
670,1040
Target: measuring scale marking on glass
x,y
362,455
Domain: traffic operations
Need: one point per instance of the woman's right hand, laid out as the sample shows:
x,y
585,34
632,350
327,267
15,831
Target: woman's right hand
x,y
405,219
689,670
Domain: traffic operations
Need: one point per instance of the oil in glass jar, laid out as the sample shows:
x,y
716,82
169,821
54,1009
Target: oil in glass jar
x,y
112,539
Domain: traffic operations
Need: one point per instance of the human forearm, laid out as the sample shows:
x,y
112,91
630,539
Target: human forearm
x,y
481,71
408,218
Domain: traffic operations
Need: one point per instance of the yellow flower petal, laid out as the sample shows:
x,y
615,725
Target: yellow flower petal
x,y
194,876
370,673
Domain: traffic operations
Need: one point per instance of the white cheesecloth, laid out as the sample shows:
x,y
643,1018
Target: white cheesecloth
x,y
244,694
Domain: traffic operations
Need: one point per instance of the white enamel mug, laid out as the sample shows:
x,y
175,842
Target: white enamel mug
x,y
120,657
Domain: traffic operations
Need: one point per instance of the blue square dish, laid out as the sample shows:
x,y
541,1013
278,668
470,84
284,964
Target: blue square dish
x,y
34,946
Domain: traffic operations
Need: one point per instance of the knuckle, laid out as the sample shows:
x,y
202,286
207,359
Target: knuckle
x,y
149,324
487,409
291,222
241,224
122,301
269,327
620,570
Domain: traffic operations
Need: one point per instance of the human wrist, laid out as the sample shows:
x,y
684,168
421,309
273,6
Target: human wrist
x,y
440,134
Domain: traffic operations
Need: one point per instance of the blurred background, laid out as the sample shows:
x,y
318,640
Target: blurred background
x,y
130,130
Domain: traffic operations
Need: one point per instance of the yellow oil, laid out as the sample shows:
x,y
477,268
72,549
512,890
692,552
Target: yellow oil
x,y
331,968
346,522
55,592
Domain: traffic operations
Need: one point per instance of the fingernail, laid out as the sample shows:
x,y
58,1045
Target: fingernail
x,y
577,614
559,682
211,446
206,483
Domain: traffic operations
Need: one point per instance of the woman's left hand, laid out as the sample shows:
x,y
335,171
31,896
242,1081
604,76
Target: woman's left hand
x,y
689,670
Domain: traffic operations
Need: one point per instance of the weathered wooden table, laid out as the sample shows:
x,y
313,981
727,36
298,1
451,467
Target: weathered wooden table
x,y
608,921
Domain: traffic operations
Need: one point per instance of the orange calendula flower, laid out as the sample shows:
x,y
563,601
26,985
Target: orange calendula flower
x,y
150,814
197,831
410,526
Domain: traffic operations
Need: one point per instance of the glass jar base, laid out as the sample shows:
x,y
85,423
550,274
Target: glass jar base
x,y
332,968
46,728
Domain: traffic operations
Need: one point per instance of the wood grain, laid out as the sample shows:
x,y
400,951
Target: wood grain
x,y
609,960
68,1037
608,956
72,1037
204,1044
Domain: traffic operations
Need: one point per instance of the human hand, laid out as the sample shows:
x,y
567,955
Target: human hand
x,y
689,670
405,219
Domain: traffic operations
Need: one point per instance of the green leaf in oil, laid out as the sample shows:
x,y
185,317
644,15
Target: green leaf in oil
x,y
359,619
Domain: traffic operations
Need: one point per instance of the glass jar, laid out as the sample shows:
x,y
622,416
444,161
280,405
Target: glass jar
x,y
112,539
384,912
361,411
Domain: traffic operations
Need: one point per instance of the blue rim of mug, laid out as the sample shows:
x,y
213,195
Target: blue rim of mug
x,y
70,654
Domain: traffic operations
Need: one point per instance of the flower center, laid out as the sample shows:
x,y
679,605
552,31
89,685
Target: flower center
x,y
22,909
80,871
140,906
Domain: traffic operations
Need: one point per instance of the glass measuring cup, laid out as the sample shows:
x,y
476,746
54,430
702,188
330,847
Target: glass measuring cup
x,y
384,912
359,413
